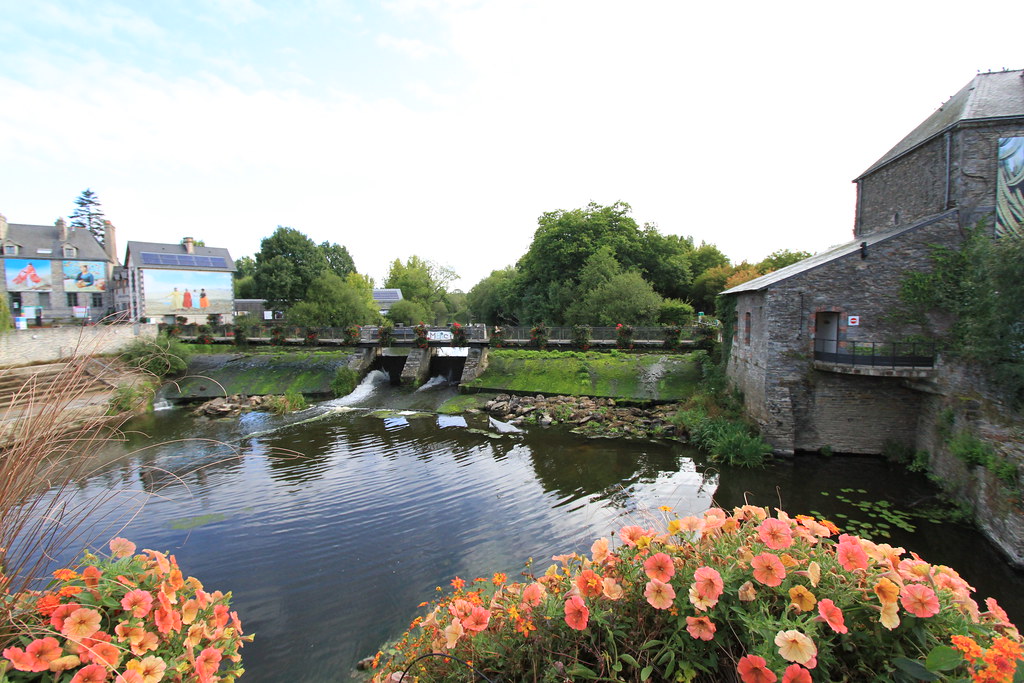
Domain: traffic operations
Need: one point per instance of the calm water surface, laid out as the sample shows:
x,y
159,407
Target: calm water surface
x,y
330,526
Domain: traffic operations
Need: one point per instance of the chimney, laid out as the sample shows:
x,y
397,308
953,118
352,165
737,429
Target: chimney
x,y
3,228
110,241
62,230
189,248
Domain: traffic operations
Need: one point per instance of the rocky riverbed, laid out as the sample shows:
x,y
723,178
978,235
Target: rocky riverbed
x,y
598,416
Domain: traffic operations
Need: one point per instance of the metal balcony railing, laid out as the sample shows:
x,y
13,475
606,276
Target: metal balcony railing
x,y
876,354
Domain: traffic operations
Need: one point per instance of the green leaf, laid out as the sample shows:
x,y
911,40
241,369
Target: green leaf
x,y
646,673
651,643
628,659
915,669
580,671
943,658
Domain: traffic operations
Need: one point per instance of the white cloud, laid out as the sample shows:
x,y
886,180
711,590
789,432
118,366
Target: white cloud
x,y
410,47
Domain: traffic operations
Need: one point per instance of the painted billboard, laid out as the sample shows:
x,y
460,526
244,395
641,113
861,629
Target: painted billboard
x,y
85,276
28,275
187,292
1010,188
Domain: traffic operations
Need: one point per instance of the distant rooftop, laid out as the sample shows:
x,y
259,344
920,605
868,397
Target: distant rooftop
x,y
175,256
989,96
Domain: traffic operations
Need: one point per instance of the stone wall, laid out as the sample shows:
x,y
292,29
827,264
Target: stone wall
x,y
476,363
416,370
903,191
47,344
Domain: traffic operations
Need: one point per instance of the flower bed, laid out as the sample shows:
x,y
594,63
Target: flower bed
x,y
128,618
716,597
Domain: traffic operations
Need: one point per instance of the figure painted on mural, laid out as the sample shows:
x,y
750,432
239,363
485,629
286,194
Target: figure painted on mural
x,y
176,299
27,274
204,301
85,278
187,301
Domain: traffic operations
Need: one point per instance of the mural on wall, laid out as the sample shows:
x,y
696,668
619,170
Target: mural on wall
x,y
187,292
1010,188
85,276
28,275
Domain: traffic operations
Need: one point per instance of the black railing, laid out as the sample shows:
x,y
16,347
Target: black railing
x,y
876,354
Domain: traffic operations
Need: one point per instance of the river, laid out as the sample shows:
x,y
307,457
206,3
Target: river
x,y
332,525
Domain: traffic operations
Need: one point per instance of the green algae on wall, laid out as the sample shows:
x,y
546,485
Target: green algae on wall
x,y
641,376
258,374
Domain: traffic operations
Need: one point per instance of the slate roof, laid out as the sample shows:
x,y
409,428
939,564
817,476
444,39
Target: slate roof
x,y
388,296
31,238
829,255
995,95
137,248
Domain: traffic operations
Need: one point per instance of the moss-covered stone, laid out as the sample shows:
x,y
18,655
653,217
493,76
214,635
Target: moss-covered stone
x,y
306,372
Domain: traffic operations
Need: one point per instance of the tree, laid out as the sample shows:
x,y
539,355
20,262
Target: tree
x,y
705,257
333,301
607,294
245,267
338,258
492,300
710,284
407,312
287,265
89,215
421,281
780,259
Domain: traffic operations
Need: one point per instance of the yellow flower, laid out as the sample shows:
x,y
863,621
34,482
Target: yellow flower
x,y
887,591
794,646
890,615
802,599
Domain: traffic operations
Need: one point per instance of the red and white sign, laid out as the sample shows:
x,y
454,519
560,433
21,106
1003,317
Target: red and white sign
x,y
853,321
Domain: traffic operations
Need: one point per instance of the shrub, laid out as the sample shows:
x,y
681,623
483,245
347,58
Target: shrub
x,y
581,335
122,614
539,335
344,381
672,333
387,334
161,357
289,403
129,397
498,337
710,598
241,334
458,334
352,334
421,340
624,336
312,334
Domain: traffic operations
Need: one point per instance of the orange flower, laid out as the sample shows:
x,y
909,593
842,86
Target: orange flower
x,y
167,620
94,673
768,569
576,613
700,628
970,649
775,534
631,534
458,584
890,615
795,673
104,653
997,613
589,583
477,620
130,676
138,602
794,646
148,642
81,623
68,591
753,669
612,589
92,576
919,600
599,550
659,595
534,593
207,664
151,668
801,598
660,567
65,574
887,591
832,615
47,603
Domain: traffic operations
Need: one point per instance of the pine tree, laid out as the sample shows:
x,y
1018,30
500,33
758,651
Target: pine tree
x,y
89,215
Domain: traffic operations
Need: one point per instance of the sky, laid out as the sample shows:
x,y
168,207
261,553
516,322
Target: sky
x,y
445,128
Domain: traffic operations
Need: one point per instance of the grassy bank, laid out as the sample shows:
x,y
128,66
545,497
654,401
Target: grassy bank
x,y
658,377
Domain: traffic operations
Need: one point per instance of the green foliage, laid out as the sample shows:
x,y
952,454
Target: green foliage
x,y
289,403
901,453
780,259
973,451
407,312
422,282
675,312
539,335
725,439
129,397
6,322
387,333
289,263
344,382
492,300
339,261
581,337
88,215
161,357
335,302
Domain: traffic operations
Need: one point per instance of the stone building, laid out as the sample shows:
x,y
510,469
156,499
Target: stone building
x,y
55,273
164,282
820,350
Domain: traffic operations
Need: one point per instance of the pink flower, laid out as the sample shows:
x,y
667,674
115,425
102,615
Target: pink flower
x,y
775,534
576,613
477,619
795,673
599,550
121,547
659,595
659,567
630,534
919,600
207,664
94,673
589,583
708,583
768,569
81,623
850,554
754,669
138,602
831,615
700,628
612,589
533,594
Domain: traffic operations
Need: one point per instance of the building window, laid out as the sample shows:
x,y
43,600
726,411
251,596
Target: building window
x,y
97,300
10,250
746,327
69,252
72,299
16,303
